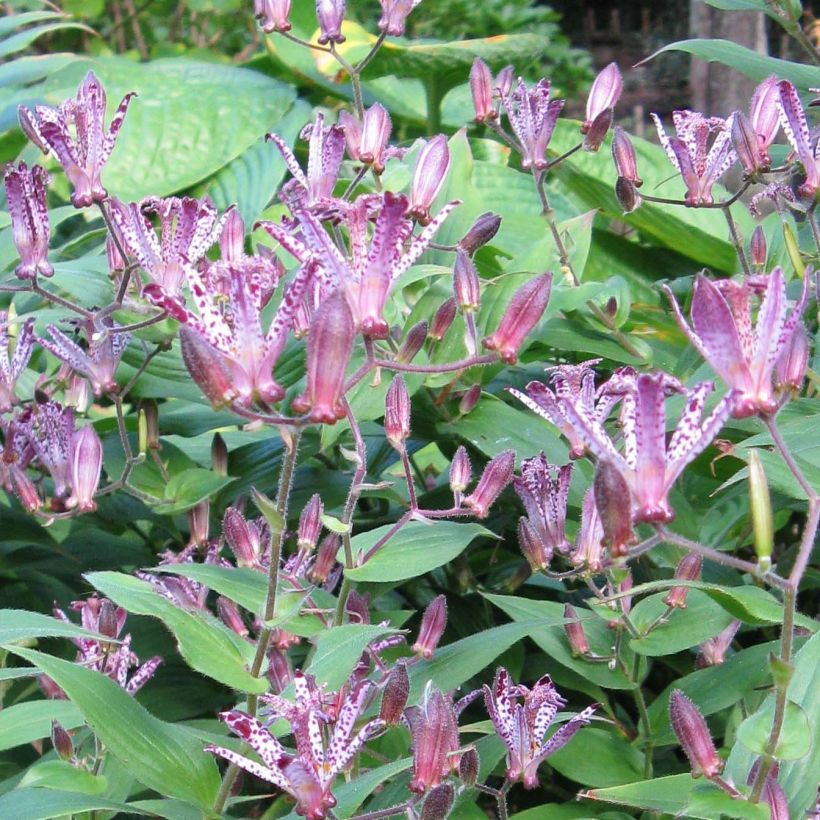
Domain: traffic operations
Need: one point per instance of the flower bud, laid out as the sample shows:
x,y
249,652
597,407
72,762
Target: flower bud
x,y
469,400
712,652
376,130
394,697
432,627
232,237
77,393
574,630
438,803
279,673
759,251
310,524
151,409
745,144
460,471
760,506
397,413
604,94
61,740
198,522
483,230
242,538
496,476
394,16
219,455
614,505
772,795
431,169
325,559
598,130
466,283
790,370
229,614
443,319
532,546
688,569
623,153
627,195
207,367
358,608
765,117
86,466
481,87
525,309
504,80
468,767
25,490
413,342
273,15
107,620
330,15
693,736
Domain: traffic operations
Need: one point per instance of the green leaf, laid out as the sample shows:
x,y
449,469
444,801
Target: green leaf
x,y
14,672
708,801
338,649
60,774
31,720
599,757
164,757
44,804
188,488
350,795
795,736
20,625
23,39
205,642
416,549
664,794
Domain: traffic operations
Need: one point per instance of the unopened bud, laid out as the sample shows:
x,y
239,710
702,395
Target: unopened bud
x,y
481,88
623,154
466,283
760,505
86,467
219,455
496,476
198,521
438,803
325,559
575,632
413,342
759,251
504,80
107,621
273,15
598,130
207,367
790,370
431,169
745,142
483,230
693,736
395,694
460,471
532,546
468,767
432,627
523,313
613,502
712,652
604,94
376,130
310,524
469,400
330,15
443,319
229,614
242,538
61,740
688,569
397,413
627,195
279,672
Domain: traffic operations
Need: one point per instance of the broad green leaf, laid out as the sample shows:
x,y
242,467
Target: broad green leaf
x,y
60,774
17,21
31,720
170,809
187,489
338,649
416,549
164,757
663,794
205,642
598,757
14,672
795,737
23,39
44,804
20,625
707,800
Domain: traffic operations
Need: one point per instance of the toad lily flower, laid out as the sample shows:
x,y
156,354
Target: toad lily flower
x,y
699,163
26,196
367,141
273,15
188,226
83,154
648,465
521,717
743,356
309,775
603,96
330,15
532,117
793,120
12,366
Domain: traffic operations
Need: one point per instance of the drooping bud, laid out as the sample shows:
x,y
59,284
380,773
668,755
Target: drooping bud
x,y
693,736
481,87
395,694
790,370
242,538
229,614
330,15
604,94
273,15
107,622
598,130
438,803
310,524
397,413
86,466
688,569
207,367
759,251
745,144
532,546
712,652
394,16
623,153
469,400
466,283
61,740
468,767
443,319
431,169
523,313
219,455
460,471
413,342
198,523
325,559
328,351
760,506
496,476
483,230
432,627
151,410
614,505
574,630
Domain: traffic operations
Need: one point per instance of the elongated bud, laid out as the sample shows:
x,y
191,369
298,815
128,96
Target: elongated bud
x,y
86,466
468,767
688,569
26,491
483,230
241,537
693,736
764,114
375,134
575,632
790,370
325,559
481,88
443,319
431,169
532,546
330,15
107,624
598,130
61,740
759,251
394,697
207,367
432,627
614,505
397,413
460,471
413,342
219,455
523,313
760,505
623,154
229,614
466,283
273,15
279,672
627,195
772,795
329,346
232,237
712,652
504,80
198,522
604,94
438,803
496,476
745,144
469,400
310,524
